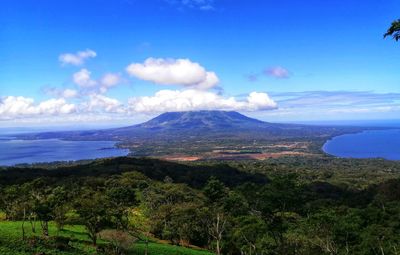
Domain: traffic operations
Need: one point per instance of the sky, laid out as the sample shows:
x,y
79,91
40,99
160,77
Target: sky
x,y
117,62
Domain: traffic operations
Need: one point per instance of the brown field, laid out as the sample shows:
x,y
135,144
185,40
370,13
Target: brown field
x,y
217,155
181,158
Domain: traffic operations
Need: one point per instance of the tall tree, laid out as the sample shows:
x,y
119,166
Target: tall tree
x,y
394,30
215,192
92,208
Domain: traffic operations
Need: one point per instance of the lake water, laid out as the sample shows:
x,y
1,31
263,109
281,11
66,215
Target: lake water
x,y
34,151
367,144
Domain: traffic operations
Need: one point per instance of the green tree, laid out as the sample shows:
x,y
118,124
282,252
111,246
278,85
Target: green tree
x,y
9,201
334,231
214,190
43,203
59,199
394,30
187,222
249,236
216,193
121,199
92,208
278,203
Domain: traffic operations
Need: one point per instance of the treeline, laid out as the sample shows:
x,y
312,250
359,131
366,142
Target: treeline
x,y
193,175
227,213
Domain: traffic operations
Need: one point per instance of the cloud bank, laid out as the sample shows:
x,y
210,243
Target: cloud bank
x,y
186,100
335,105
14,107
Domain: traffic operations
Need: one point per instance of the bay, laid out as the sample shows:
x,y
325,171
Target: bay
x,y
14,152
367,144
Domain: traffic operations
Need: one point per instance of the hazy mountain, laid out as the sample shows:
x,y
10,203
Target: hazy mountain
x,y
200,124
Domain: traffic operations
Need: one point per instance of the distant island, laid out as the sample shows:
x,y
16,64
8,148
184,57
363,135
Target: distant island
x,y
197,135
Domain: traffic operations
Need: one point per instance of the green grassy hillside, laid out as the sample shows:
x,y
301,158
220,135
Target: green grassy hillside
x,y
11,242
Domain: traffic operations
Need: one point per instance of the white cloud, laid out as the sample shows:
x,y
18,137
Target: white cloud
x,y
259,101
76,59
105,104
174,72
82,79
69,93
109,80
55,106
187,100
11,107
61,93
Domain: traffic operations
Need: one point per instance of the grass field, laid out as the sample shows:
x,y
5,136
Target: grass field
x,y
11,242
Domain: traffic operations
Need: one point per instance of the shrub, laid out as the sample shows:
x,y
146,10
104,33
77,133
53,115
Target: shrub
x,y
119,241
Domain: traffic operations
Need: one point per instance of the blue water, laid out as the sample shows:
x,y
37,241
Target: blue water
x,y
14,152
367,144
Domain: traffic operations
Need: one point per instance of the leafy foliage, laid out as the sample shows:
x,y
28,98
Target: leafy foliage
x,y
124,205
394,30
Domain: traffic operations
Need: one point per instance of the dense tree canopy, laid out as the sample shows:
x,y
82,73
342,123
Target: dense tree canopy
x,y
300,208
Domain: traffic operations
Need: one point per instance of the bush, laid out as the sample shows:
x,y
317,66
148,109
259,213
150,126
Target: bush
x,y
60,243
119,241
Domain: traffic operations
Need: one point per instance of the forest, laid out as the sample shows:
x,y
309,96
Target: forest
x,y
290,205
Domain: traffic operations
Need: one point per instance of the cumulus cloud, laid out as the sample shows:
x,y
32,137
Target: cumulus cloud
x,y
63,93
109,80
102,103
11,107
174,72
82,78
76,59
277,72
69,93
186,100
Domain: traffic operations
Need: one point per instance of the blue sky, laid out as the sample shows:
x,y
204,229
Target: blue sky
x,y
68,61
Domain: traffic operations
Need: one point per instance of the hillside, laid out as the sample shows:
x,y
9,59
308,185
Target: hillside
x,y
113,206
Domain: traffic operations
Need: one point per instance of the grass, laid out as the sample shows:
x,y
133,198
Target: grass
x,y
164,249
11,242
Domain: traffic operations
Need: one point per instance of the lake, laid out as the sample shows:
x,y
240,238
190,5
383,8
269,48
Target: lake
x,y
14,152
367,144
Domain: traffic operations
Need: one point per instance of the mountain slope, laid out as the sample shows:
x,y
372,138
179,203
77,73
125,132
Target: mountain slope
x,y
200,119
203,125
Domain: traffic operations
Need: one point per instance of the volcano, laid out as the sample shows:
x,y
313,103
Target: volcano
x,y
197,125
